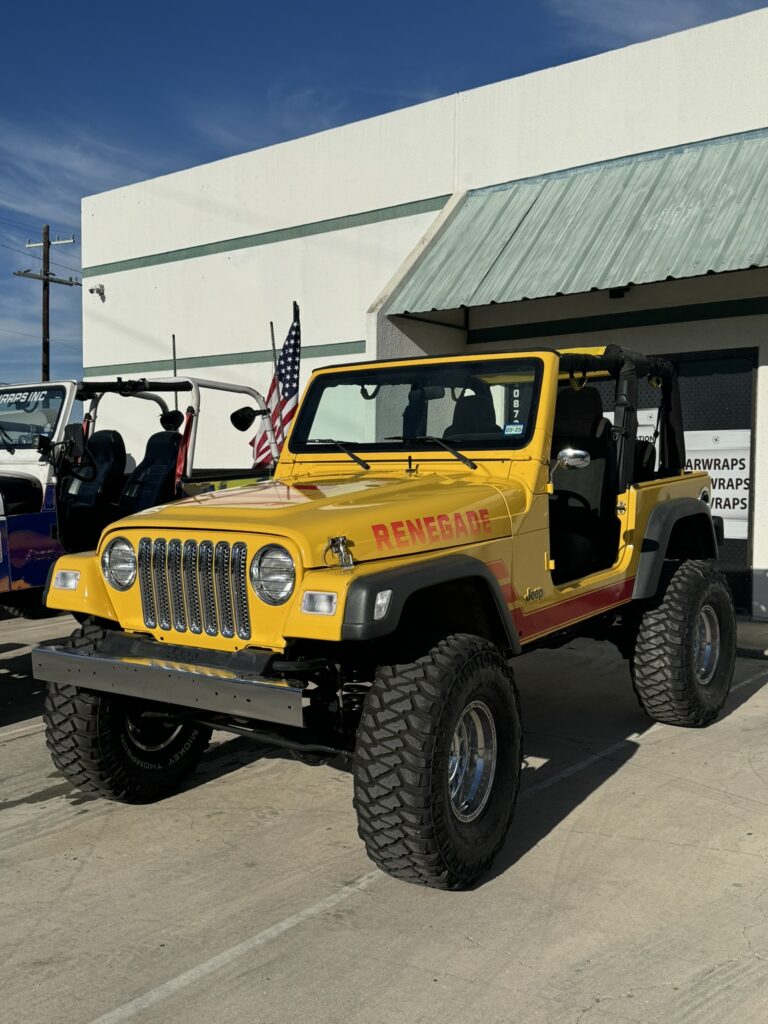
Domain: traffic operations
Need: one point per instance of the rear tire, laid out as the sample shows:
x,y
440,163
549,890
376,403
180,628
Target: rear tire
x,y
685,648
430,810
101,744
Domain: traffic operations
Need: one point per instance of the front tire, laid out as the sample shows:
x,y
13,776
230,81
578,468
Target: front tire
x,y
437,763
103,744
685,649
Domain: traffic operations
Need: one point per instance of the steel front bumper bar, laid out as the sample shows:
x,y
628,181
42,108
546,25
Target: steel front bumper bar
x,y
191,678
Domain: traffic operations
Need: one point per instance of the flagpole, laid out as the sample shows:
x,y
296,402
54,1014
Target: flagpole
x,y
274,359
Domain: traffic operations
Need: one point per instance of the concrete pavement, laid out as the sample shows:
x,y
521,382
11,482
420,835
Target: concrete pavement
x,y
633,887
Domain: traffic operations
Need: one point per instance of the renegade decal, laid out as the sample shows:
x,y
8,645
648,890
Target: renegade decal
x,y
404,533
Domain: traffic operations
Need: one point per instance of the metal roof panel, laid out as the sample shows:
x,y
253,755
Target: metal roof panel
x,y
677,213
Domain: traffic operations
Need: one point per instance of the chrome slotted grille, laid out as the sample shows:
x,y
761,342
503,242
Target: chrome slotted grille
x,y
240,589
145,583
160,576
190,586
210,622
224,589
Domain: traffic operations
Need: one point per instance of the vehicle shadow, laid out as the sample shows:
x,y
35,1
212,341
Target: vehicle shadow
x,y
21,695
581,725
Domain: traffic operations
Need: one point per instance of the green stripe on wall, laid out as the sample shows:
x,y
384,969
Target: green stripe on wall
x,y
319,227
148,366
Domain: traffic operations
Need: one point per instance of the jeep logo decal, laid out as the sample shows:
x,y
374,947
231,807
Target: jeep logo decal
x,y
404,533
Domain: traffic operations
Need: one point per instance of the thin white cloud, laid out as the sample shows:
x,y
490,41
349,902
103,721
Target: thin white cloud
x,y
45,171
283,113
608,23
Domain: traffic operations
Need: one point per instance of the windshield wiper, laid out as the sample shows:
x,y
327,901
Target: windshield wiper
x,y
7,441
443,444
342,448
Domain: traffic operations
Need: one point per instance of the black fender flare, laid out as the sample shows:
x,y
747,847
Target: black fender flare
x,y
653,551
406,580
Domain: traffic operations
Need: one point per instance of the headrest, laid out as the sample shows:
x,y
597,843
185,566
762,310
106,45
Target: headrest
x,y
164,445
172,419
578,413
106,442
474,414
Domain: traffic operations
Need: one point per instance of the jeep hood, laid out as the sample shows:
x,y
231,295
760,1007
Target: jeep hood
x,y
380,516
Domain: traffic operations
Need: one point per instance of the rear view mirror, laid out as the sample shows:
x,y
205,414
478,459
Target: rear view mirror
x,y
75,441
242,419
44,445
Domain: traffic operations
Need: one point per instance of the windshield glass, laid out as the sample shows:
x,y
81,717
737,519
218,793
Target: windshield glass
x,y
477,405
26,413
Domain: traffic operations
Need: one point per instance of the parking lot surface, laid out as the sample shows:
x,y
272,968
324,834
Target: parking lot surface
x,y
633,886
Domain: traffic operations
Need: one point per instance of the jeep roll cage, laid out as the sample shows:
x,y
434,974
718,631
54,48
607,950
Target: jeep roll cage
x,y
627,368
153,389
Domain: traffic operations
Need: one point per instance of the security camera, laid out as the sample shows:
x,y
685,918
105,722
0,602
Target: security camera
x,y
98,289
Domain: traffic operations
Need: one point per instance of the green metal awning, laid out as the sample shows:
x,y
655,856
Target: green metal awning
x,y
675,213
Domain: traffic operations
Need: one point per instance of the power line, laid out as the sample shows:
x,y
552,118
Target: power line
x,y
23,334
57,263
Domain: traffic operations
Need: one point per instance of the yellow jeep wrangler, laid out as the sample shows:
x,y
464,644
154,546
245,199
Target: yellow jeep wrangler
x,y
428,521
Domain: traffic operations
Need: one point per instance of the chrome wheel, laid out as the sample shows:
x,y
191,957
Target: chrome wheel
x,y
472,761
706,644
152,735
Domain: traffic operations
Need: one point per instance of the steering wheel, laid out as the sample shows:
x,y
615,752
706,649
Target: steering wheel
x,y
87,470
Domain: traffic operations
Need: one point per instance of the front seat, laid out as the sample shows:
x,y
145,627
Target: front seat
x,y
473,415
584,529
88,505
153,482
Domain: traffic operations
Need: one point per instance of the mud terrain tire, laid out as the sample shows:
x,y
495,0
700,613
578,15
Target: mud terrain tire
x,y
410,815
675,682
97,743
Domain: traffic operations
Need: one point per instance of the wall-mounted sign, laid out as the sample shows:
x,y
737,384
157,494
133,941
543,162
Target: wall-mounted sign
x,y
725,455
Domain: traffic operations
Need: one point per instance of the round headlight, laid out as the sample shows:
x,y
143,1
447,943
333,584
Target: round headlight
x,y
118,563
273,574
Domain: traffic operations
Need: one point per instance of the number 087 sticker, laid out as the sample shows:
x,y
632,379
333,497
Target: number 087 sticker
x,y
515,428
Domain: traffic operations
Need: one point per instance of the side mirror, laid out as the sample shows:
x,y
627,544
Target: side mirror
x,y
44,445
242,419
172,420
74,439
572,458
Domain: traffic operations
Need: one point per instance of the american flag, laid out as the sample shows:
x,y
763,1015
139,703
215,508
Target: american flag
x,y
283,394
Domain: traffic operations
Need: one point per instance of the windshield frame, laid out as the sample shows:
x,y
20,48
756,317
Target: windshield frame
x,y
492,363
57,388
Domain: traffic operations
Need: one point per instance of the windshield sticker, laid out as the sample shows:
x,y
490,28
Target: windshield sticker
x,y
513,429
7,397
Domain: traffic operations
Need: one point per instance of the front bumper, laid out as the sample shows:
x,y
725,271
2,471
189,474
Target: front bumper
x,y
229,684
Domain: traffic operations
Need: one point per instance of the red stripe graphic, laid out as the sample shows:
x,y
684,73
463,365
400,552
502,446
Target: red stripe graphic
x,y
572,609
501,572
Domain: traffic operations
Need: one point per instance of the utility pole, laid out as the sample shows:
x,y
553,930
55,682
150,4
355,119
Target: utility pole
x,y
48,279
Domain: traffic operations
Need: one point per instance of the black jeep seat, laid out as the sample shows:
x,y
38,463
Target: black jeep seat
x,y
153,482
88,505
583,523
473,415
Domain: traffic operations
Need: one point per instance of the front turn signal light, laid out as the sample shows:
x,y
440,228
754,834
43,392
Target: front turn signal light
x,y
66,579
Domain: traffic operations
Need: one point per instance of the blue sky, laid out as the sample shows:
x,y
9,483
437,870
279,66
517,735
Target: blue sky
x,y
96,96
